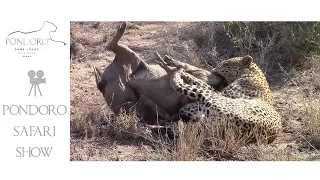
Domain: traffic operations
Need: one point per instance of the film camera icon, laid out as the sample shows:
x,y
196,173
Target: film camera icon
x,y
36,81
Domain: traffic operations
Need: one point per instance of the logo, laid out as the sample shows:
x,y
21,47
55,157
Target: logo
x,y
29,43
36,81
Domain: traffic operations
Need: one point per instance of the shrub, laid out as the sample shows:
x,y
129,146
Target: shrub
x,y
270,43
211,40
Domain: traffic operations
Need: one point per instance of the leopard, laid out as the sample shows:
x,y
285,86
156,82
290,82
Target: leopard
x,y
247,114
244,79
241,77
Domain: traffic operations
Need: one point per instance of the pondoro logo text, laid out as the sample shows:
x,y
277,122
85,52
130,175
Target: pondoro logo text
x,y
27,44
26,41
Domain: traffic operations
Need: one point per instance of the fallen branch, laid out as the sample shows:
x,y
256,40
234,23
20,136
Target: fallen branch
x,y
281,68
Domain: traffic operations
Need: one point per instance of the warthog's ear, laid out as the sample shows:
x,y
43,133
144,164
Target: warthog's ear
x,y
246,61
100,84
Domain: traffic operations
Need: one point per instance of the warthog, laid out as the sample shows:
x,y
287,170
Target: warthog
x,y
149,90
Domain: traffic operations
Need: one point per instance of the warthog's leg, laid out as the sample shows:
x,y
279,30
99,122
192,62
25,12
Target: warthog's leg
x,y
152,113
174,63
112,46
169,61
163,64
213,80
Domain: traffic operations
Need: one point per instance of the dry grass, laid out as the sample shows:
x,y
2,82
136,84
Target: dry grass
x,y
210,141
312,122
188,144
191,141
97,123
99,135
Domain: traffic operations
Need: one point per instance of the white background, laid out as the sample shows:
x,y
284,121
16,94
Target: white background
x,y
14,87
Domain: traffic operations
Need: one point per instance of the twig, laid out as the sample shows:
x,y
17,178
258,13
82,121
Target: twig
x,y
281,68
304,138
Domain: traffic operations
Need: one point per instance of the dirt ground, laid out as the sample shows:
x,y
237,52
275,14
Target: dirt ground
x,y
145,38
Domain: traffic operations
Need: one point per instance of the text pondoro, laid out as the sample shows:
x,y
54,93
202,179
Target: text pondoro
x,y
34,110
26,41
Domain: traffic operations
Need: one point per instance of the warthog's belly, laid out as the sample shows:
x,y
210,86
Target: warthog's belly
x,y
155,84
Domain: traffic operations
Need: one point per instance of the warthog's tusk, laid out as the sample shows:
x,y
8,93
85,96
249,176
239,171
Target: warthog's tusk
x,y
97,75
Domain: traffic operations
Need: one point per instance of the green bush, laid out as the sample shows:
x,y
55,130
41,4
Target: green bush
x,y
212,41
270,43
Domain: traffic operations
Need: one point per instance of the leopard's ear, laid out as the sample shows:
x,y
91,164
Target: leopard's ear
x,y
246,61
